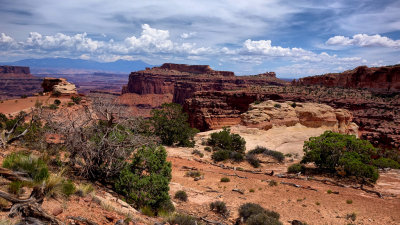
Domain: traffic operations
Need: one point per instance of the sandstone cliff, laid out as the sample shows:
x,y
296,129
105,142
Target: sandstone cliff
x,y
268,114
386,78
16,81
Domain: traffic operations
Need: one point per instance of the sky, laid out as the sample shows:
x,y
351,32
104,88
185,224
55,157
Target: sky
x,y
293,38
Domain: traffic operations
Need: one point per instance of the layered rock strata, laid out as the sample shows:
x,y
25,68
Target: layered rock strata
x,y
60,85
17,81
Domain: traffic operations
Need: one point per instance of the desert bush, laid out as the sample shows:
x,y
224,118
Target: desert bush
x,y
183,219
227,146
84,189
68,188
262,219
262,150
296,168
145,181
342,154
197,152
181,195
253,160
70,104
171,125
147,210
193,174
273,183
32,165
351,216
225,179
219,207
53,107
207,149
57,102
294,105
15,187
248,210
349,201
277,106
386,163
76,99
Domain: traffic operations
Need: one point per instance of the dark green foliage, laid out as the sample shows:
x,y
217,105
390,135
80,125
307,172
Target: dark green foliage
x,y
296,168
183,219
207,149
253,160
170,124
70,104
181,195
144,182
294,105
262,150
197,152
227,146
15,187
219,207
262,219
277,106
76,99
68,188
342,154
220,155
33,166
248,210
225,179
53,107
386,163
57,102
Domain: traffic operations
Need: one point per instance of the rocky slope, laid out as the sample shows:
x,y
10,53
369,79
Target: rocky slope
x,y
381,79
268,114
16,81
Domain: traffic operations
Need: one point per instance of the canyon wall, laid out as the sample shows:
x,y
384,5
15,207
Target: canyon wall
x,y
380,79
17,81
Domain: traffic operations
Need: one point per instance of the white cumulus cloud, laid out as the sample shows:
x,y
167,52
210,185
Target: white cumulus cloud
x,y
364,40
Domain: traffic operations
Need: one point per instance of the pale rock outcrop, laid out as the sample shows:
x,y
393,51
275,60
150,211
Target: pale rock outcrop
x,y
60,85
268,114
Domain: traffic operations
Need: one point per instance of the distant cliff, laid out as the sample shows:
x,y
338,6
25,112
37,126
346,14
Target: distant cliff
x,y
380,79
16,81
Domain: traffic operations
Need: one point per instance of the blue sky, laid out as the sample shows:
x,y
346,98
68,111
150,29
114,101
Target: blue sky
x,y
292,38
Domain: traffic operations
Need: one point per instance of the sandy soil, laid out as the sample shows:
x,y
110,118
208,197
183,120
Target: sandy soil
x,y
14,106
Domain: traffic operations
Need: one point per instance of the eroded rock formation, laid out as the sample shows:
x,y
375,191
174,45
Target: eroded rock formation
x,y
16,81
60,85
385,78
268,114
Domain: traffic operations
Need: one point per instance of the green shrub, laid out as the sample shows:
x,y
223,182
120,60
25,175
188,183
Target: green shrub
x,y
76,99
193,174
262,150
171,125
145,181
262,219
296,168
197,152
84,189
208,149
273,183
342,154
227,146
15,187
386,163
220,155
70,104
57,102
68,188
147,210
294,105
33,166
53,107
253,160
251,209
181,195
219,207
277,106
352,216
225,179
183,219
349,201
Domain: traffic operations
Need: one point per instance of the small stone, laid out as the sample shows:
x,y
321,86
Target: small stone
x,y
57,211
